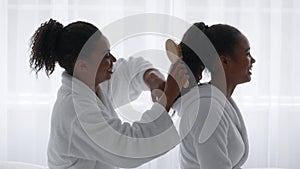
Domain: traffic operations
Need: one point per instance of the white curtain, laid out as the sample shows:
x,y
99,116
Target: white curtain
x,y
270,102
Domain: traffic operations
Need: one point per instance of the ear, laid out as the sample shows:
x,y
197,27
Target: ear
x,y
225,60
81,66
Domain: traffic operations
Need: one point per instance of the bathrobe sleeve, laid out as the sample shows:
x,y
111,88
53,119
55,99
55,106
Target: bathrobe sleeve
x,y
213,153
127,81
211,140
110,141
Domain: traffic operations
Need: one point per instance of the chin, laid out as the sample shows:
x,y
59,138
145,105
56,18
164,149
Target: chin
x,y
247,80
104,78
108,76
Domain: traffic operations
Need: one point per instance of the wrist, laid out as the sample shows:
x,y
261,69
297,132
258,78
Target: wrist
x,y
148,77
154,79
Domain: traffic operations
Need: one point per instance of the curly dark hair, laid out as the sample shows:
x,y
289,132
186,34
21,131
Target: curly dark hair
x,y
52,42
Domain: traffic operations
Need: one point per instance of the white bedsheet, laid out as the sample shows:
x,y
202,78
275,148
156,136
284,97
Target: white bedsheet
x,y
19,165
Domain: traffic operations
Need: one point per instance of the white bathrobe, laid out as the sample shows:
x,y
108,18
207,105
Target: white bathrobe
x,y
213,130
86,132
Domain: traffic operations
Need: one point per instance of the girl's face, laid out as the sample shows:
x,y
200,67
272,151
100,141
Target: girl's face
x,y
102,61
239,66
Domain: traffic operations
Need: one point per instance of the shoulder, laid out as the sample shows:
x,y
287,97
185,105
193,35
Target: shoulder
x,y
211,114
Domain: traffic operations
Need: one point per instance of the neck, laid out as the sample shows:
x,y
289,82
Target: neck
x,y
219,81
87,81
193,81
230,89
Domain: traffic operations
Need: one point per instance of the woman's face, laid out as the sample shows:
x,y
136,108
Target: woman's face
x,y
102,61
239,69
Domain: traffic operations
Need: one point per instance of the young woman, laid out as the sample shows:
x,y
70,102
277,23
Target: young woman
x,y
212,128
85,130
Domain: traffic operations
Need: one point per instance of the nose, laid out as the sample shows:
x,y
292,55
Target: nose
x,y
112,58
252,59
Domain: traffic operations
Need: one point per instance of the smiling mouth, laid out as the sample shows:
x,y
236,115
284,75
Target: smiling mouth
x,y
250,70
110,70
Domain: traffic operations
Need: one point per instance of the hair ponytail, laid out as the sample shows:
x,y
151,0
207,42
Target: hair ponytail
x,y
43,46
202,26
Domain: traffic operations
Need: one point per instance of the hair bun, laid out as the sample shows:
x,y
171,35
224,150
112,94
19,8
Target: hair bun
x,y
202,26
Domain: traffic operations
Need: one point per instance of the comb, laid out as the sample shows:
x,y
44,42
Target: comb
x,y
174,53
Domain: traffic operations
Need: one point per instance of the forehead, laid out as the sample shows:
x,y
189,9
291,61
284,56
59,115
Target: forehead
x,y
243,42
102,44
99,48
242,47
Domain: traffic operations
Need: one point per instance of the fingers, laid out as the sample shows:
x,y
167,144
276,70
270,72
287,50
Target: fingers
x,y
156,94
179,73
176,79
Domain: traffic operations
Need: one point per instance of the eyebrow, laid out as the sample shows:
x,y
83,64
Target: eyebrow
x,y
106,51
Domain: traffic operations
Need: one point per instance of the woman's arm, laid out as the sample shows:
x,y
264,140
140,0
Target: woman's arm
x,y
96,132
156,83
130,78
113,142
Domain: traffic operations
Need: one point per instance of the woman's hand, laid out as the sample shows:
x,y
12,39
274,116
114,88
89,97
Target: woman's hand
x,y
156,82
175,81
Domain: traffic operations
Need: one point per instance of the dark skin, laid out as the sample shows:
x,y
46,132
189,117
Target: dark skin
x,y
237,68
160,92
98,68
